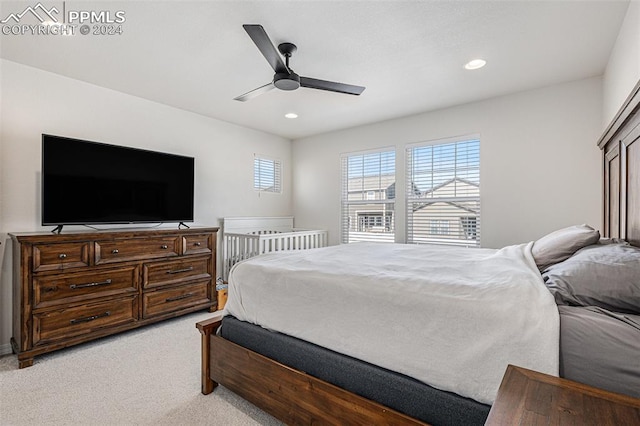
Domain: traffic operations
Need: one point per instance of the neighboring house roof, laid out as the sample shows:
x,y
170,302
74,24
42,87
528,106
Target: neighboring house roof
x,y
391,190
371,183
449,189
450,182
465,209
456,187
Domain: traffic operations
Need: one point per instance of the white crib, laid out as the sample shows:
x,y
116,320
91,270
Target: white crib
x,y
245,237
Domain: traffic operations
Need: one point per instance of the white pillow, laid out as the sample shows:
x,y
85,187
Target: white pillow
x,y
561,244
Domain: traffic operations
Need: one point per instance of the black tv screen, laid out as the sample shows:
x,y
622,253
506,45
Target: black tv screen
x,y
87,182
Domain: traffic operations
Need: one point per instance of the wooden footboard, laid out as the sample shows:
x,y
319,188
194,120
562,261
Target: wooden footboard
x,y
288,394
207,329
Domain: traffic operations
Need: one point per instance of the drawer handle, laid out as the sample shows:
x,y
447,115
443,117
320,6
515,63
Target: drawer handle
x,y
183,296
62,256
75,286
164,247
178,271
197,244
91,318
115,251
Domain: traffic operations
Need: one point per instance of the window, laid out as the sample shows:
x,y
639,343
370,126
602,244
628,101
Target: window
x,y
267,175
368,196
375,222
439,227
443,192
469,224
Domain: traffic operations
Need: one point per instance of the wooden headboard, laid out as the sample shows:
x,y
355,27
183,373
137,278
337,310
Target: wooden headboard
x,y
620,146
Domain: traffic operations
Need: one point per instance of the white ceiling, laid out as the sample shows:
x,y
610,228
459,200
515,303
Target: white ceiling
x,y
409,54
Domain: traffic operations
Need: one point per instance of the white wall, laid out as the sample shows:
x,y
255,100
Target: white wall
x,y
36,102
623,70
540,166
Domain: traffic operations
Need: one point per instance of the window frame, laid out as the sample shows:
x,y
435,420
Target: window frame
x,y
347,222
469,230
276,163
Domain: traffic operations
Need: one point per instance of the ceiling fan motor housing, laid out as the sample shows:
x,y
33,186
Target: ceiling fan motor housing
x,y
284,81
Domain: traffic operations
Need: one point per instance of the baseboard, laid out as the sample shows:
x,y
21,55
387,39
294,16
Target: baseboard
x,y
5,349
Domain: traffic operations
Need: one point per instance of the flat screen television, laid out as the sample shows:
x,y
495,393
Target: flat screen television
x,y
86,183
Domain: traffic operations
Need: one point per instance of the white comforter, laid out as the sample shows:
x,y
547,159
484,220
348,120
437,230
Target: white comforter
x,y
450,317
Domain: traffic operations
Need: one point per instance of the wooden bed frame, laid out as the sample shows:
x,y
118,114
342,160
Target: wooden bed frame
x,y
298,398
620,146
288,394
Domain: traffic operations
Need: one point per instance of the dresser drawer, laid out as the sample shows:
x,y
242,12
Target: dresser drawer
x,y
197,243
176,298
174,271
136,249
75,287
56,256
82,320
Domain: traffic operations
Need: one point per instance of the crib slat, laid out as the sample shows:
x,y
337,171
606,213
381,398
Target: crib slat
x,y
241,246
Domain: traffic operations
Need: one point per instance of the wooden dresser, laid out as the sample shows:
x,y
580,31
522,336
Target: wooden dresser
x,y
78,286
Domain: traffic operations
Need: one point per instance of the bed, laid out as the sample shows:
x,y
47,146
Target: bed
x,y
301,382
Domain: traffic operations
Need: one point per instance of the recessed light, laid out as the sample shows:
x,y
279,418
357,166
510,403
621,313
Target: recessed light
x,y
475,64
291,115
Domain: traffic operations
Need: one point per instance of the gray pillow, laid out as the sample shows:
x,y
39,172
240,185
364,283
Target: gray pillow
x,y
604,275
561,244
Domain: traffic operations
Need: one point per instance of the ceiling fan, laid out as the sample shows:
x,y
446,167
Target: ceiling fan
x,y
285,78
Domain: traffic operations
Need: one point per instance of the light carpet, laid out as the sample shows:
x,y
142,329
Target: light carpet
x,y
141,377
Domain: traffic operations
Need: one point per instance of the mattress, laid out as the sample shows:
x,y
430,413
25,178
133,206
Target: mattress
x,y
600,348
450,317
396,391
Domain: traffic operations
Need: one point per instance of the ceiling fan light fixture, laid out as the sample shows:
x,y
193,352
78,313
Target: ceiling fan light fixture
x,y
475,64
285,81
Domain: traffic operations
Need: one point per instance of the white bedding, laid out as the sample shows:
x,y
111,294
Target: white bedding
x,y
450,317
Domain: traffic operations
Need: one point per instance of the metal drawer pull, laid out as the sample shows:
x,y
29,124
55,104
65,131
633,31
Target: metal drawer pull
x,y
62,256
105,282
177,271
163,247
91,318
115,251
173,299
197,244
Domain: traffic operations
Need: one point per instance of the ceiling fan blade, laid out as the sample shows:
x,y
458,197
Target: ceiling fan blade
x,y
255,92
268,50
331,86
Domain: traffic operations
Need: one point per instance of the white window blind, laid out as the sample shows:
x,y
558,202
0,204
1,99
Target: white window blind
x,y
267,175
368,196
443,193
